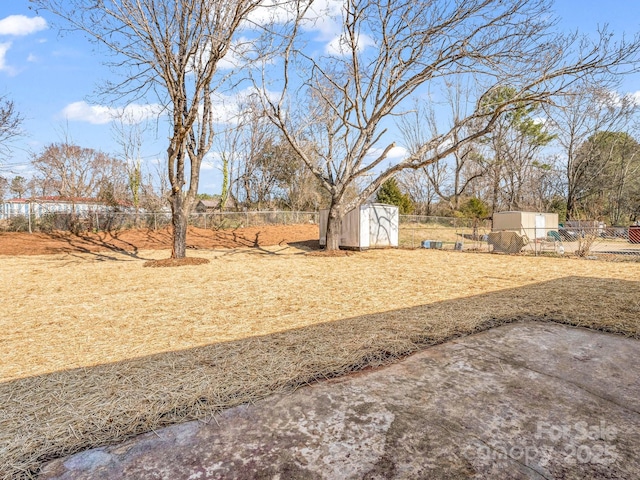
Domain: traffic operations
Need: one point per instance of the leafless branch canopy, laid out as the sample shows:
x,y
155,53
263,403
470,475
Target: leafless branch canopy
x,y
10,121
390,52
171,48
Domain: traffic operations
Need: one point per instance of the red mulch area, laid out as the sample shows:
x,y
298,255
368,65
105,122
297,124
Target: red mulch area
x,y
12,243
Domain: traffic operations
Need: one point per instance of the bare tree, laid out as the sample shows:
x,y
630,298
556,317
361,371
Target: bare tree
x,y
171,49
545,187
228,145
575,117
260,168
388,51
4,188
10,122
263,169
419,185
74,172
301,189
511,152
448,179
129,134
154,195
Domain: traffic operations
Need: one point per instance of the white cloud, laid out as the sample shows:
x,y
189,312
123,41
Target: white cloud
x,y
270,12
95,114
211,161
339,45
322,17
235,57
100,114
20,25
4,48
226,108
32,58
136,113
325,18
611,98
397,153
635,98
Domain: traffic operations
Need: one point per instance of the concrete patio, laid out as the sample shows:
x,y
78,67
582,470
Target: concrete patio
x,y
526,400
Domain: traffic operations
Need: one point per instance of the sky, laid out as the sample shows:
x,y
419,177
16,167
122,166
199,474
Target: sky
x,y
53,78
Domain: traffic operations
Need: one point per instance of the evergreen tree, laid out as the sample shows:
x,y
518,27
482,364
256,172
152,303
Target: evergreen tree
x,y
391,194
474,208
18,186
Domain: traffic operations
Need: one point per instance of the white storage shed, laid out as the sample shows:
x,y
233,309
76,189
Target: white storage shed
x,y
530,224
372,225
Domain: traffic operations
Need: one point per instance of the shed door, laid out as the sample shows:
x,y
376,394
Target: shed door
x,y
541,226
363,227
380,227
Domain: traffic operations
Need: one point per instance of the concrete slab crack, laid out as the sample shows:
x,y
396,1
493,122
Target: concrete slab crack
x,y
519,364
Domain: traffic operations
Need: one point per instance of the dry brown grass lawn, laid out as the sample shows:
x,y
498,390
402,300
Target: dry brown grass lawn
x,y
97,348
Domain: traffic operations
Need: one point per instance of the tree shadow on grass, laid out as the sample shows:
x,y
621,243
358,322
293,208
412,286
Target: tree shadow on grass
x,y
307,245
96,245
122,245
55,414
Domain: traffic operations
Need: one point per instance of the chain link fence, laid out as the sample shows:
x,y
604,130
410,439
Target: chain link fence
x,y
448,233
585,241
415,231
113,221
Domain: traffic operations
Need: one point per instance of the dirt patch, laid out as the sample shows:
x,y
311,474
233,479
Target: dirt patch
x,y
12,243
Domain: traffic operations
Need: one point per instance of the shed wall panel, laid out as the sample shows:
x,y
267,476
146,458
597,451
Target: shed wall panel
x,y
530,224
350,231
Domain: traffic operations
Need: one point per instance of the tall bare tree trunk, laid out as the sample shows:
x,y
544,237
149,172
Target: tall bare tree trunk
x,y
571,204
180,207
334,226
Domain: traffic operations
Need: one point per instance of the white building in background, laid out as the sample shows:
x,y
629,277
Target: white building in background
x,y
39,206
